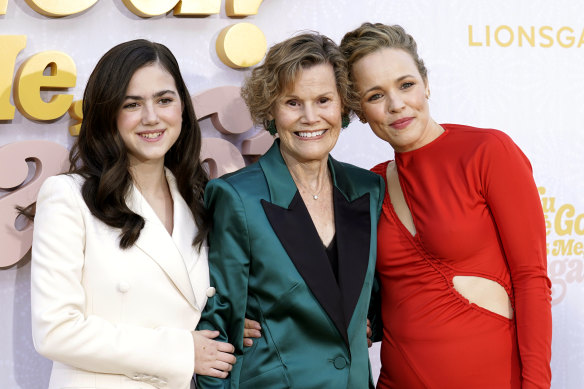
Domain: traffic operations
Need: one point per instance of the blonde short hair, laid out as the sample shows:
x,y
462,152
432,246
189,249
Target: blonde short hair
x,y
370,37
281,66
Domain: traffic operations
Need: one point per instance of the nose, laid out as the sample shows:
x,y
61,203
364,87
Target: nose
x,y
149,114
395,103
310,114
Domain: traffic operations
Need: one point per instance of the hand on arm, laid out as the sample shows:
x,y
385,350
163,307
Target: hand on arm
x,y
212,358
251,329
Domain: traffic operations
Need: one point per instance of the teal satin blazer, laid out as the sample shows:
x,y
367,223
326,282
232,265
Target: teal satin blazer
x,y
267,261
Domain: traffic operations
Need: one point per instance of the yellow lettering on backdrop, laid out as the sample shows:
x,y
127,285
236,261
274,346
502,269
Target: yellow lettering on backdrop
x,y
242,7
11,46
578,225
58,8
548,226
3,6
511,36
564,227
197,7
543,35
566,247
579,248
530,38
581,41
241,45
76,113
149,8
30,80
471,42
570,38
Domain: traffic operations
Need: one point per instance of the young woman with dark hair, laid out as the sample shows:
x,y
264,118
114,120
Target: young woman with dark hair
x,y
119,260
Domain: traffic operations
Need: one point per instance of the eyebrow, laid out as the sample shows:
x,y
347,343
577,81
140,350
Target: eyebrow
x,y
157,94
398,80
291,96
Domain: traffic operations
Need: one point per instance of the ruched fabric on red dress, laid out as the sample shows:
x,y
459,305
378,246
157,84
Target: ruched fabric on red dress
x,y
476,212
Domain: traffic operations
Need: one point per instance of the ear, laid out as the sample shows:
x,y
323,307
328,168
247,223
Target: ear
x,y
427,88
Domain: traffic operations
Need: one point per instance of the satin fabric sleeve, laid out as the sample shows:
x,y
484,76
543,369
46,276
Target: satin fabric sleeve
x,y
62,332
513,199
229,258
374,313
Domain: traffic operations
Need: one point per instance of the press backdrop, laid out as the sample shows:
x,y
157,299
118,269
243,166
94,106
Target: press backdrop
x,y
511,65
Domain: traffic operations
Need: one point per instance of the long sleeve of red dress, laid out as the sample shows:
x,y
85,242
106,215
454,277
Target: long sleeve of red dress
x,y
477,212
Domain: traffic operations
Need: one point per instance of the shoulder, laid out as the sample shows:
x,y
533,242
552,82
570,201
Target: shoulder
x,y
486,147
359,179
240,179
356,171
477,135
59,197
61,185
240,184
380,168
252,171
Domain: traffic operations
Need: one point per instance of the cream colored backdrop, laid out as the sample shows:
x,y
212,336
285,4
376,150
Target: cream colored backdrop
x,y
512,65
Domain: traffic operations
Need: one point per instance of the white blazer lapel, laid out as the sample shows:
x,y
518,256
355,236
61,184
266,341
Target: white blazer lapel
x,y
156,242
183,234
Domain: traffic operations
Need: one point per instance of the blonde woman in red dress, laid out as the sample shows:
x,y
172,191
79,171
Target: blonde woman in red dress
x,y
465,297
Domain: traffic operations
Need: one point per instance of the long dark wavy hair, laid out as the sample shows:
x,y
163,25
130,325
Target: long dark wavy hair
x,y
100,156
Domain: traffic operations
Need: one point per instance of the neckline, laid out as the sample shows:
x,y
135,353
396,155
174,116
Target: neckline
x,y
426,146
148,212
393,213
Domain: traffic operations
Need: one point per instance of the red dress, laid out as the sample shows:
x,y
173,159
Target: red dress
x,y
477,212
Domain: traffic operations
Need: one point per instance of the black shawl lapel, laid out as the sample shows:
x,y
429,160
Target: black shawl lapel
x,y
297,233
353,229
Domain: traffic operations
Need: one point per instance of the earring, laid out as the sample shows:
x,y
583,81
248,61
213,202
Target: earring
x,y
345,121
272,127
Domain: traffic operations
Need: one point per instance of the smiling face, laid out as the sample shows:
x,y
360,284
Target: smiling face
x,y
308,116
394,99
150,118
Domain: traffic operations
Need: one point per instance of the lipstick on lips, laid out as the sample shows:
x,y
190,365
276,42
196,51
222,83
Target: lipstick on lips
x,y
402,123
151,136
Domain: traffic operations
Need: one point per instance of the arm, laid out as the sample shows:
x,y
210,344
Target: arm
x,y
229,258
514,201
61,329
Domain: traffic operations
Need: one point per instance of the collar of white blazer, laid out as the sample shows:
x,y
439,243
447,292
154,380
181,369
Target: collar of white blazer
x,y
172,252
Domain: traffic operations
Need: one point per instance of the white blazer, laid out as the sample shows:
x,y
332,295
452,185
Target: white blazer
x,y
112,318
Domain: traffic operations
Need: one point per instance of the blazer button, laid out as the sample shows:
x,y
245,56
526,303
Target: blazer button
x,y
123,287
210,292
340,363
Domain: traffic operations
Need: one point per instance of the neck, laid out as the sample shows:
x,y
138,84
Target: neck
x,y
149,178
436,130
311,176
